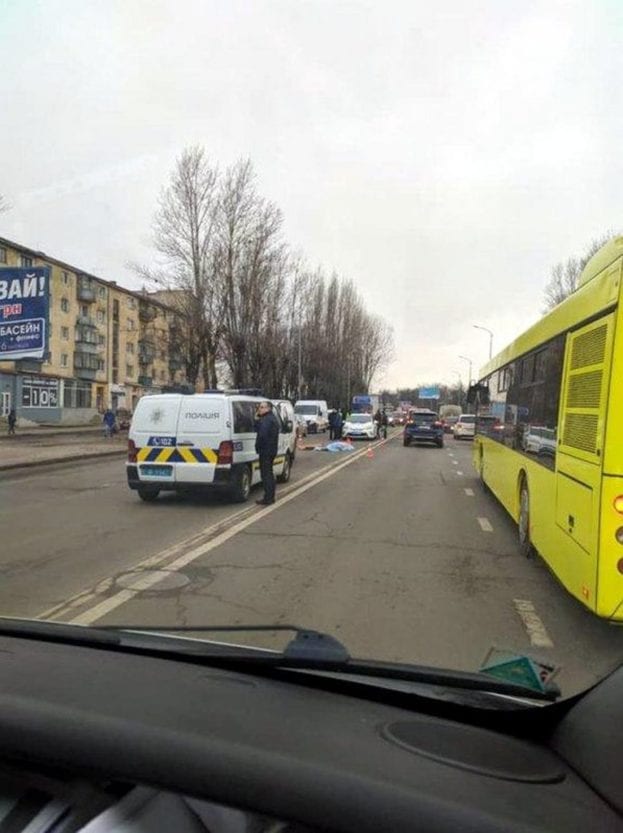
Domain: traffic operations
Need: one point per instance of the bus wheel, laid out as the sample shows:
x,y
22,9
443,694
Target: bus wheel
x,y
525,545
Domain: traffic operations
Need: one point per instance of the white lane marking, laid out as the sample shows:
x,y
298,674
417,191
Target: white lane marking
x,y
469,492
539,636
455,462
106,606
485,524
459,472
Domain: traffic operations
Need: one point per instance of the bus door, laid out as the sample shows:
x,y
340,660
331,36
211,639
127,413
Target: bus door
x,y
580,451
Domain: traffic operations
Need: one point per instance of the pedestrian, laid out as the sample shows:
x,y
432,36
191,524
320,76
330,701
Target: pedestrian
x,y
266,445
332,420
384,423
109,423
12,419
378,419
338,425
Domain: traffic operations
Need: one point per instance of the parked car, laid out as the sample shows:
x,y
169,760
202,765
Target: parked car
x,y
423,426
316,413
360,426
207,440
448,424
465,427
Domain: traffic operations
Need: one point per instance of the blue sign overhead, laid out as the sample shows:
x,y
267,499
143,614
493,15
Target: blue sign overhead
x,y
428,393
24,309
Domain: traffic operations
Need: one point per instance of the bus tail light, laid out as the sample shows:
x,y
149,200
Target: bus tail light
x,y
131,451
620,565
618,504
619,535
225,453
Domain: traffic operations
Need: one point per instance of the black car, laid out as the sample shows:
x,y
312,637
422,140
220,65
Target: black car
x,y
423,426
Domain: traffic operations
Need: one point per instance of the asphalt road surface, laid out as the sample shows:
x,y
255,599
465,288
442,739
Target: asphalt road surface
x,y
396,551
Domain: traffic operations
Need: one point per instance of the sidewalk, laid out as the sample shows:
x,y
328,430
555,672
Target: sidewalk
x,y
48,431
45,450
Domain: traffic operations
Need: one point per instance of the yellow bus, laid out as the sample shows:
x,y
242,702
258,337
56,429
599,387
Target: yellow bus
x,y
549,435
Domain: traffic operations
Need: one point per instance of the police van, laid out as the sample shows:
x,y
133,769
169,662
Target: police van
x,y
182,442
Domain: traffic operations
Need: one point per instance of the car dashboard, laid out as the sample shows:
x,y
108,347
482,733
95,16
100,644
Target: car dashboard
x,y
117,740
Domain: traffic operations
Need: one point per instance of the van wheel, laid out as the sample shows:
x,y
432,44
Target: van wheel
x,y
285,474
525,545
148,493
241,488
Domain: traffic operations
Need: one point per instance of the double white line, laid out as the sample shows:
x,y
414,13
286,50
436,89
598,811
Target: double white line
x,y
175,558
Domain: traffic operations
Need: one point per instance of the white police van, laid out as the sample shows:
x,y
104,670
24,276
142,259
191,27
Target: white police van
x,y
180,442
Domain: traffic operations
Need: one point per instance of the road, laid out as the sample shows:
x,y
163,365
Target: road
x,y
396,551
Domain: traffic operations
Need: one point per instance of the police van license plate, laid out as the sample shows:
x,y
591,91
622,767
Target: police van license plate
x,y
156,471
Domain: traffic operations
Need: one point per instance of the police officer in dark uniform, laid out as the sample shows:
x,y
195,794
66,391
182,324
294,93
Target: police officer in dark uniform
x,y
266,445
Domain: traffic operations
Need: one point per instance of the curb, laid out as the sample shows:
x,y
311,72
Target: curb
x,y
75,432
59,461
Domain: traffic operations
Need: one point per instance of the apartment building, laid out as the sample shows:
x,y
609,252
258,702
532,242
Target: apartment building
x,y
108,346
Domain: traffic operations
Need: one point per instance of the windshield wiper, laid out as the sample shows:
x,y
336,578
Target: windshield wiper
x,y
315,650
309,650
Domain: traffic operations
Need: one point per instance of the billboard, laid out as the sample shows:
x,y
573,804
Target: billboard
x,y
24,307
40,392
428,393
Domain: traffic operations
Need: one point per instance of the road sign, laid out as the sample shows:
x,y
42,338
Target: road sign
x,y
24,309
428,393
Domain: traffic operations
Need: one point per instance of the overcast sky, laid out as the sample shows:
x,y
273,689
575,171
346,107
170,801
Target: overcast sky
x,y
443,155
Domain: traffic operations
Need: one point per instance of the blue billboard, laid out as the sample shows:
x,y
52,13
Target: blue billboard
x,y
428,393
24,312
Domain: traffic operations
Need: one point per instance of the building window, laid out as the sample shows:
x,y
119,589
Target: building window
x,y
101,364
65,333
64,360
163,356
129,371
65,278
84,310
77,394
162,376
2,254
130,323
100,316
132,303
25,261
64,305
130,348
102,292
115,377
101,340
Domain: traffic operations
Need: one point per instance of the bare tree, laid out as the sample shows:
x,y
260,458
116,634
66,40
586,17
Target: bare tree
x,y
4,205
249,258
183,232
564,276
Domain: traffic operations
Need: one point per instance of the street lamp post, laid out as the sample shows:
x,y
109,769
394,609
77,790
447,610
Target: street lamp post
x,y
459,395
469,361
478,327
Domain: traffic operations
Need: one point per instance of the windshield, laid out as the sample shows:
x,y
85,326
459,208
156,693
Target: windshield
x,y
410,210
306,410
